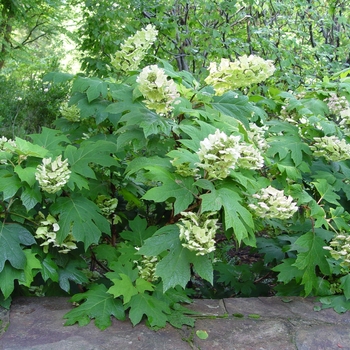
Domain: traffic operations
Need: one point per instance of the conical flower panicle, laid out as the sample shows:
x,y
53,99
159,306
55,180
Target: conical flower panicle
x,y
52,175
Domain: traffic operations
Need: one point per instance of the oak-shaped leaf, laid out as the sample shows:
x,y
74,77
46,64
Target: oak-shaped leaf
x,y
96,304
311,257
155,310
173,186
124,286
81,217
12,236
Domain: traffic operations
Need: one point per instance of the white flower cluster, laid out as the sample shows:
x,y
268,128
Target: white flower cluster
x,y
271,203
52,175
159,91
3,141
340,107
134,49
147,267
47,232
332,148
184,168
107,205
71,113
219,154
245,71
339,248
198,232
337,104
257,135
4,148
250,157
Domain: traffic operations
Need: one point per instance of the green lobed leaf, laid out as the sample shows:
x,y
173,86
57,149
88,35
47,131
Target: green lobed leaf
x,y
288,271
26,174
142,162
31,196
236,215
339,303
9,184
26,148
285,145
90,152
234,105
174,269
345,285
311,255
82,217
72,272
52,140
143,304
173,186
32,263
49,269
150,122
326,191
203,266
93,87
124,287
12,236
8,276
97,304
58,77
165,238
139,232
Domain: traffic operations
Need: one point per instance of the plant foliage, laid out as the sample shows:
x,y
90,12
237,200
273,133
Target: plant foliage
x,y
135,198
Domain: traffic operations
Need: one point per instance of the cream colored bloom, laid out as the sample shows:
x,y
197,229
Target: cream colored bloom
x,y
47,232
243,72
250,157
339,249
159,91
271,203
331,147
218,154
134,49
71,113
256,135
52,175
147,267
197,232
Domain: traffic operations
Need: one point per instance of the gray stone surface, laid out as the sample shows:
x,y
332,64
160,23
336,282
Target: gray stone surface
x,y
4,320
237,324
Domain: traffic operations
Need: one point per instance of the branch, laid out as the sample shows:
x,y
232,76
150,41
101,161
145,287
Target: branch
x,y
27,40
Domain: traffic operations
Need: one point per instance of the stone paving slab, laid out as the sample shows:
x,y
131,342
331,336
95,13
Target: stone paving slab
x,y
232,324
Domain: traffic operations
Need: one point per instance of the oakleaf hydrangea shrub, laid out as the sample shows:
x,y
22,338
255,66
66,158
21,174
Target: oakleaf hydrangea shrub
x,y
149,174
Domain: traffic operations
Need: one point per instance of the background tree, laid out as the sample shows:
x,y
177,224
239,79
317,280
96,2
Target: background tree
x,y
31,45
304,38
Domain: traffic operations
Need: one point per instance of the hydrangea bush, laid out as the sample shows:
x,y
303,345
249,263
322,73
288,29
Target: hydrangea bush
x,y
127,200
